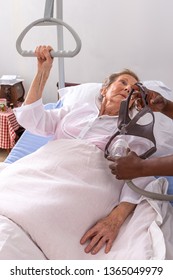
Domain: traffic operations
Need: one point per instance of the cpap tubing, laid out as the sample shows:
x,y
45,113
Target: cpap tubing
x,y
119,149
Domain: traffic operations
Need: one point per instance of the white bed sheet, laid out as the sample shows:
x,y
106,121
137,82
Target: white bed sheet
x,y
53,207
15,244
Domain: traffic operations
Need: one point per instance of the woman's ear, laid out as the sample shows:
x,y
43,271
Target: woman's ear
x,y
103,91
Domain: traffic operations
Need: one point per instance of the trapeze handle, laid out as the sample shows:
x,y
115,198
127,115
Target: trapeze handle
x,y
46,22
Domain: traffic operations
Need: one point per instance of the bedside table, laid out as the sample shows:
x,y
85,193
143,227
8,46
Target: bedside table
x,y
14,94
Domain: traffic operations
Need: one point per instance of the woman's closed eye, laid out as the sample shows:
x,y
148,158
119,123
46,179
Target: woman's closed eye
x,y
124,82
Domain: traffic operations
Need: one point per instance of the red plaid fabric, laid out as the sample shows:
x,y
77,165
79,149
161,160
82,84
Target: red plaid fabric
x,y
8,126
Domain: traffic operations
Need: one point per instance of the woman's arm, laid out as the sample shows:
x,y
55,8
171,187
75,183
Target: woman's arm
x,y
44,63
32,116
104,232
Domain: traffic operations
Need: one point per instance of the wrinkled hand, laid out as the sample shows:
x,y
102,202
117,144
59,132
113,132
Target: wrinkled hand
x,y
104,232
44,58
128,167
154,99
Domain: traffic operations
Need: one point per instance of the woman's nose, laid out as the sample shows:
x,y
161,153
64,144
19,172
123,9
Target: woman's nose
x,y
128,88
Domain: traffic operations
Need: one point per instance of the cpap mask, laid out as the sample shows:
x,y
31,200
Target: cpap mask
x,y
128,126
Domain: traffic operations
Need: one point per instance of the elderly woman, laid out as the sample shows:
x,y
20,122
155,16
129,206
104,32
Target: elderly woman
x,y
85,203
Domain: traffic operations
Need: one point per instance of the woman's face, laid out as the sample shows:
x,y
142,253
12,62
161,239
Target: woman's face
x,y
119,89
116,92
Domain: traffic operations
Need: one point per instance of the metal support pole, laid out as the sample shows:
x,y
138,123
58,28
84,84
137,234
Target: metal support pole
x,y
59,15
48,11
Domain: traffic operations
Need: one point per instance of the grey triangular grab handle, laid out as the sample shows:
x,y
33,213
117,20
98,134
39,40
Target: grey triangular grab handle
x,y
46,22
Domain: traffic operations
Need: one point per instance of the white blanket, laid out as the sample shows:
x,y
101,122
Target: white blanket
x,y
52,197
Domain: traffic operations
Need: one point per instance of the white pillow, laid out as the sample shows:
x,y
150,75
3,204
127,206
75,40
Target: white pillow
x,y
79,94
86,91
